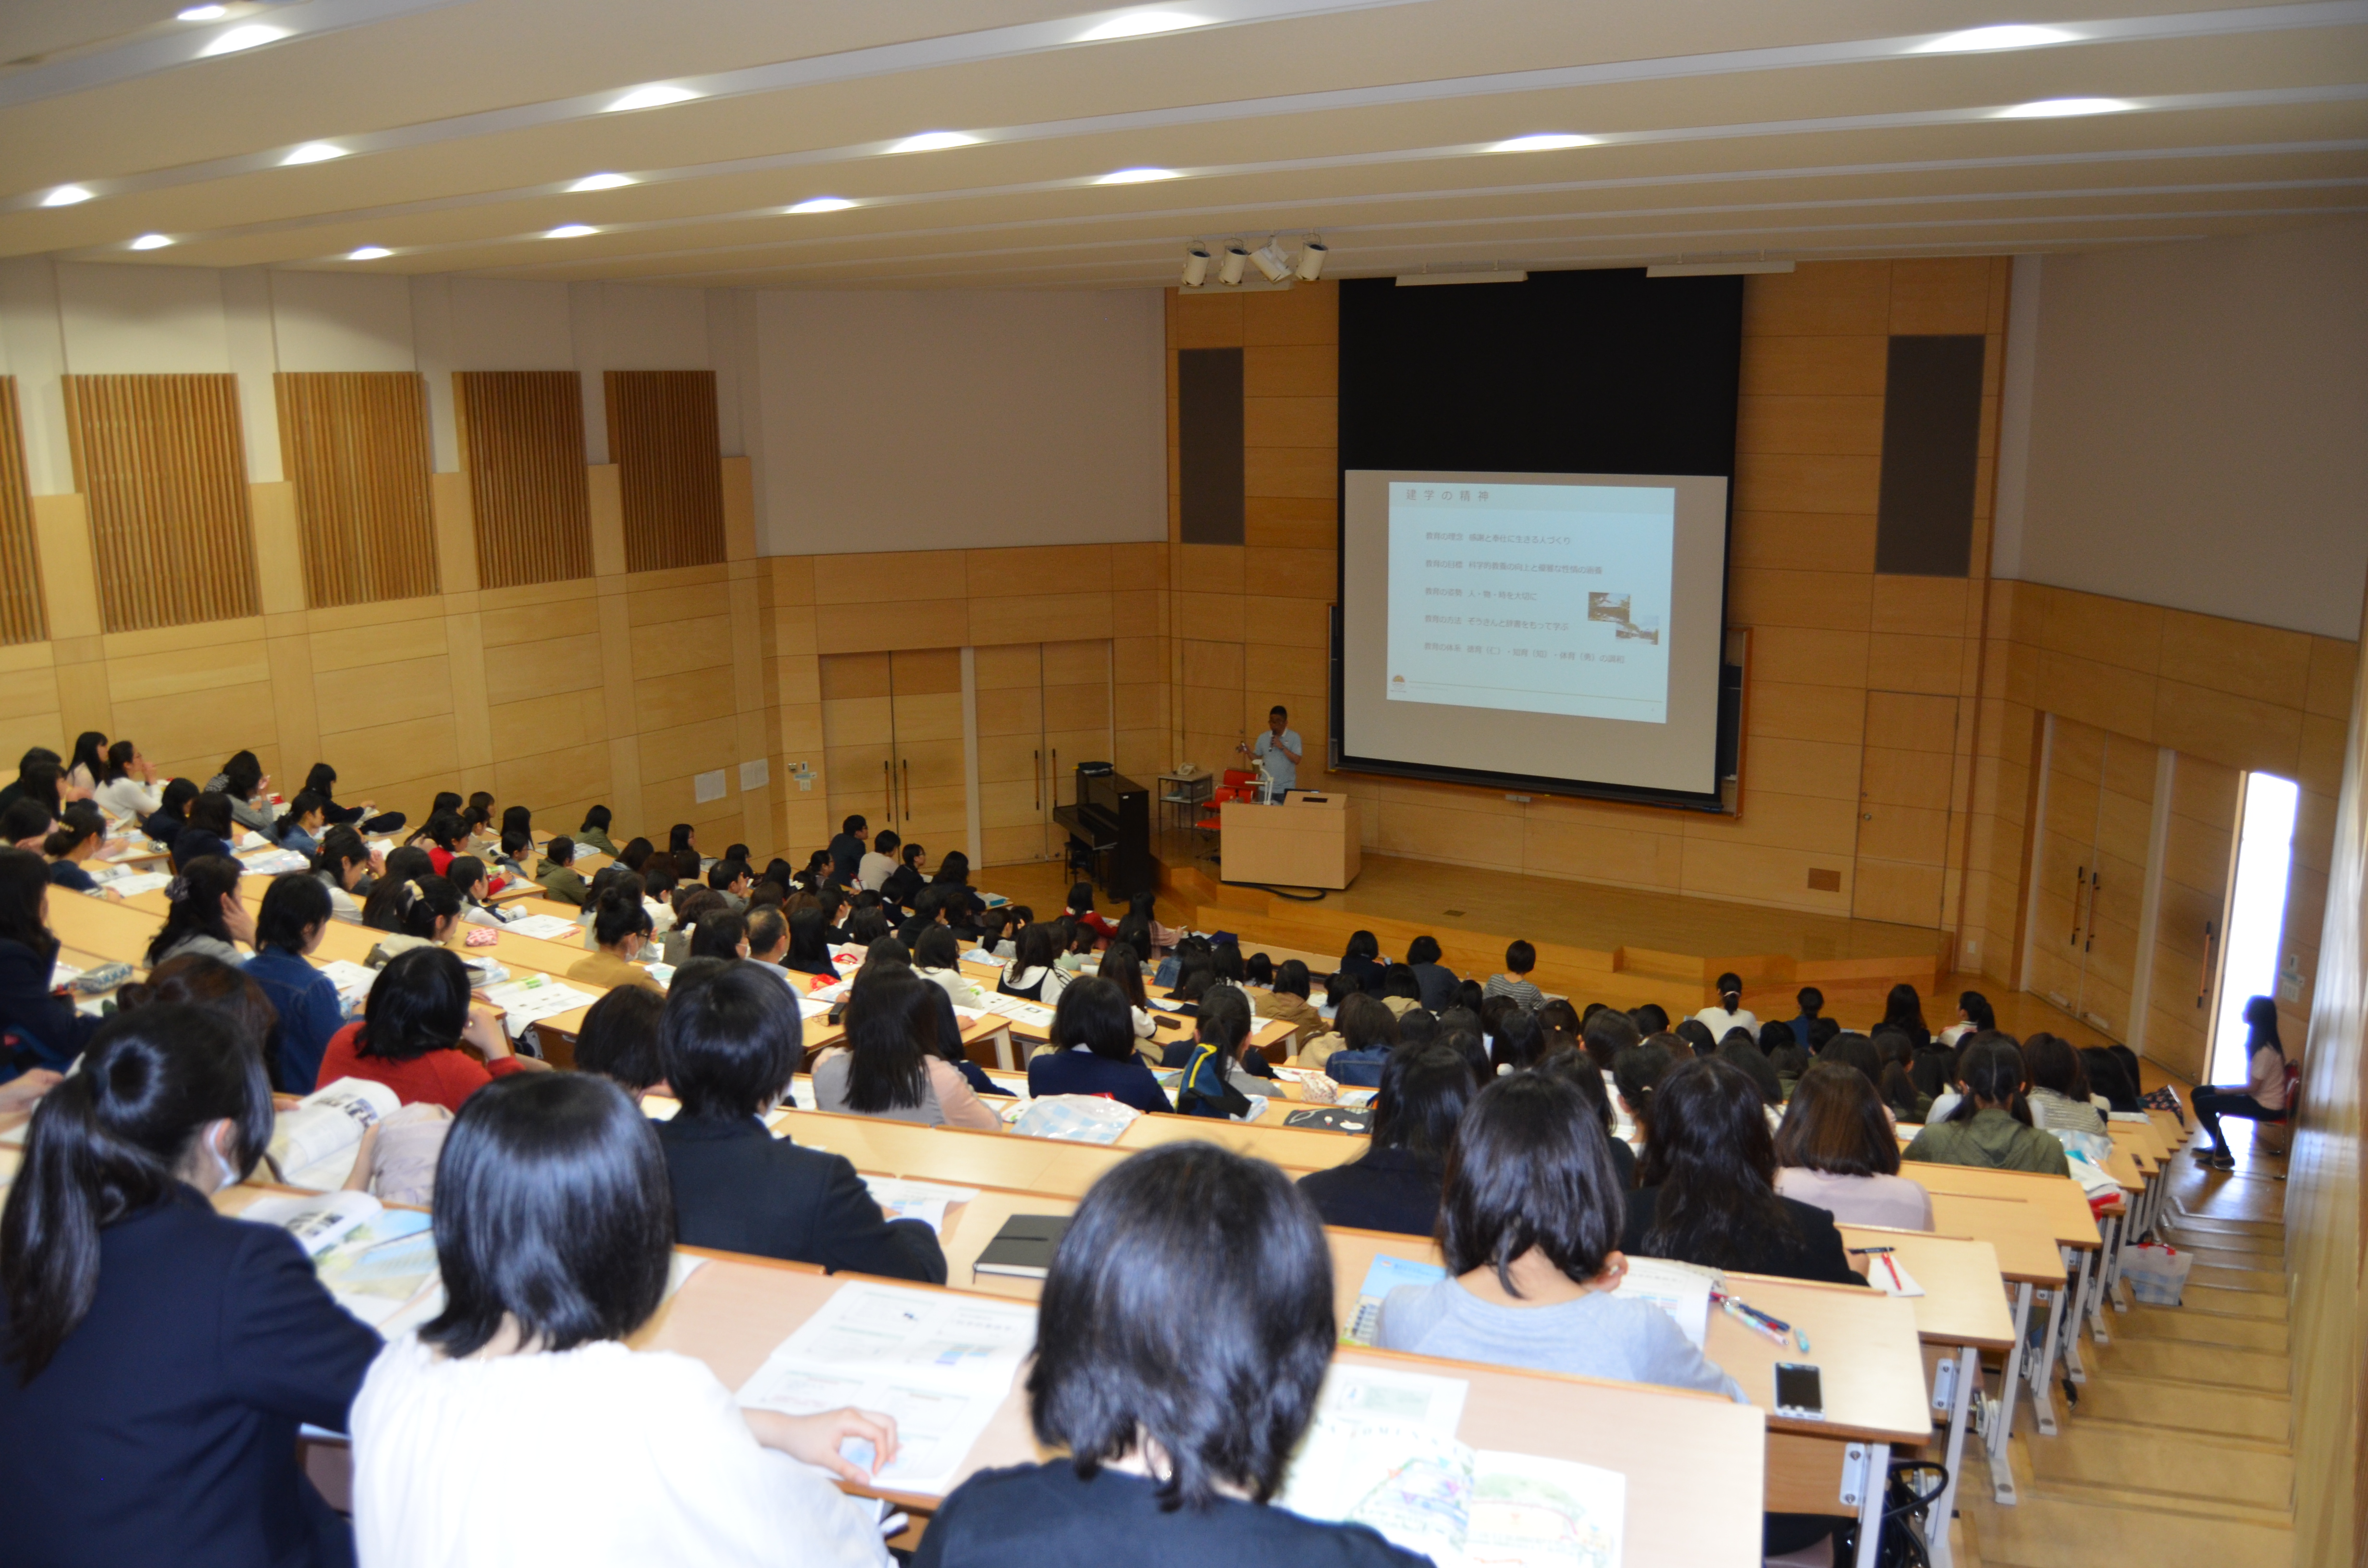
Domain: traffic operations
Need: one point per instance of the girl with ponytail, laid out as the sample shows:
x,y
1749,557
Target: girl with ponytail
x,y
1991,1125
152,1348
418,911
206,915
75,839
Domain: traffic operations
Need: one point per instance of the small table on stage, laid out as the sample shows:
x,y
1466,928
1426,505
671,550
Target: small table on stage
x,y
1308,841
1185,795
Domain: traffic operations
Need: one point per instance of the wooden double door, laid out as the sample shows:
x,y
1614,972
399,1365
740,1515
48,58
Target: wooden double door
x,y
2089,885
893,751
1042,709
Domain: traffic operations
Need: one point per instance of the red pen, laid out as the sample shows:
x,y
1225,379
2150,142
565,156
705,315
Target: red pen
x,y
1893,1270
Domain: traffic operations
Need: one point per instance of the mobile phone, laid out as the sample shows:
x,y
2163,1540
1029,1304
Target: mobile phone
x,y
1800,1391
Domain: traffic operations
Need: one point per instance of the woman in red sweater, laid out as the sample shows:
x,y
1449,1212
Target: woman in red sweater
x,y
411,1032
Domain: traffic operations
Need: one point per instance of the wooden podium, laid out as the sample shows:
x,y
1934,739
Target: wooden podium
x,y
1306,842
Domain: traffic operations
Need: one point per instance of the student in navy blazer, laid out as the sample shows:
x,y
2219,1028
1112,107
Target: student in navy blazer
x,y
38,1029
156,1425
295,914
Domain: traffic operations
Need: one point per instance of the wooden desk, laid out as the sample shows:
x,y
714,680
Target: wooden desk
x,y
956,1157
1293,1148
1300,843
2029,1259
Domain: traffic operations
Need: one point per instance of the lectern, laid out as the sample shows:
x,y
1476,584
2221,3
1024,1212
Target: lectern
x,y
1309,841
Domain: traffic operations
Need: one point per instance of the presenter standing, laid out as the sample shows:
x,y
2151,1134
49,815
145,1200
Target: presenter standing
x,y
1280,746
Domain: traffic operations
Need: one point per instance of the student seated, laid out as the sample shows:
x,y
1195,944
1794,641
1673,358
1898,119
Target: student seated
x,y
300,826
903,883
204,914
1215,1082
207,831
2059,1087
890,1066
730,1047
1189,1278
1092,1050
165,824
1394,1184
1730,1013
287,929
1432,979
248,789
1904,1010
1708,1192
1362,962
555,1234
1974,1014
343,866
1363,1036
52,1031
467,875
1287,1002
1810,1000
1080,911
1991,1125
555,872
410,1034
1837,1152
620,928
160,1356
2110,1082
129,787
1530,1221
1578,1069
1122,967
1034,974
619,1040
936,957
1519,959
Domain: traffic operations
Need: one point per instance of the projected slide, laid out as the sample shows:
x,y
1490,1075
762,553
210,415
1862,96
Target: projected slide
x,y
1533,598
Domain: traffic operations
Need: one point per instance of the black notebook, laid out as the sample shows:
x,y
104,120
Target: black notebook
x,y
1023,1248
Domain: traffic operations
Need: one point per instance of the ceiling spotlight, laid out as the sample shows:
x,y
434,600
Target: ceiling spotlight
x,y
601,182
657,95
1544,142
823,204
2008,35
1134,177
935,140
570,232
2062,108
152,242
1312,258
65,196
313,153
1236,260
236,39
202,14
1272,261
367,253
1141,24
1196,267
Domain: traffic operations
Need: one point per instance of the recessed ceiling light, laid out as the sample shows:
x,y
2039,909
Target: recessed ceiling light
x,y
933,141
202,14
823,204
236,39
2061,108
1141,24
313,153
367,253
1544,142
570,232
65,196
2007,35
152,242
602,182
1134,177
654,95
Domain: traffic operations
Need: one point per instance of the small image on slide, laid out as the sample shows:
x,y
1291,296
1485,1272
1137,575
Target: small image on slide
x,y
1626,626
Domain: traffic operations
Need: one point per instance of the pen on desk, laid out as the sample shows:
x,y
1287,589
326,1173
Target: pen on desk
x,y
1768,1319
1870,1252
1751,1319
1893,1270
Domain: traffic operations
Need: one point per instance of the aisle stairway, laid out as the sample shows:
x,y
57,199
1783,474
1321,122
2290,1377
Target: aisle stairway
x,y
2178,1452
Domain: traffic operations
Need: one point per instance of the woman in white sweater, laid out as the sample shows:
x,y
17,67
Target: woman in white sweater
x,y
554,1227
129,787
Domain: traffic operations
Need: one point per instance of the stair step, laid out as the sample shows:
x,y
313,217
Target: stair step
x,y
2211,1297
2230,1252
2090,1528
2186,1462
2230,1226
2269,1281
2175,1402
2208,1365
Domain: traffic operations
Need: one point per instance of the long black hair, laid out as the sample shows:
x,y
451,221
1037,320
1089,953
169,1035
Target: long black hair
x,y
1424,1090
2261,1027
1530,1168
90,753
891,1030
1992,1070
109,1142
24,884
1708,1149
195,896
418,1003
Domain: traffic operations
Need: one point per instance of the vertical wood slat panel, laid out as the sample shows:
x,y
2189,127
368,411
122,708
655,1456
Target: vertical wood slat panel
x,y
522,442
662,432
356,445
22,614
162,462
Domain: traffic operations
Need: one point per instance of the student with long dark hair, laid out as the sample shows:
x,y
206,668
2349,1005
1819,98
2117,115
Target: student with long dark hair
x,y
1530,1222
2108,1078
1361,960
242,778
1837,1152
553,1236
413,905
620,1039
127,787
204,914
2263,1096
299,825
1216,1080
890,1066
161,1355
1034,974
594,834
1182,1337
1092,1049
86,768
810,944
207,830
1974,1015
409,1037
52,1032
1707,1184
730,1047
1394,1184
1576,1069
1903,1009
1991,1125
165,824
2059,1087
1287,1001
954,873
366,817
288,926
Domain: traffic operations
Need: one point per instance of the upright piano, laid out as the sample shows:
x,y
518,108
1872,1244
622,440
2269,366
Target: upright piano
x,y
1109,828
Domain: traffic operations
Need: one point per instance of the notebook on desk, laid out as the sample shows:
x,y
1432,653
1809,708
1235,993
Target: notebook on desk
x,y
1023,1248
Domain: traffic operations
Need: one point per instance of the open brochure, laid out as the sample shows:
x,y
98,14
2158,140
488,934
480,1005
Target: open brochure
x,y
312,1142
1461,1507
1681,1289
353,982
547,928
533,999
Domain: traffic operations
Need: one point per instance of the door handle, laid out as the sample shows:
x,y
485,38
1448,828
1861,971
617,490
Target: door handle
x,y
888,783
2079,886
1036,775
1055,773
2096,885
2211,948
906,767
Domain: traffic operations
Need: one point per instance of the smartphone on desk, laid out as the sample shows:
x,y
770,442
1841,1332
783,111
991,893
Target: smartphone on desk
x,y
1800,1391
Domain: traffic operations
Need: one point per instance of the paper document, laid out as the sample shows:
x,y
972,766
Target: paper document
x,y
313,1141
1888,1275
319,1220
924,1200
353,982
1680,1289
272,862
1355,1390
382,1266
812,1007
547,927
940,1364
134,884
1019,1009
537,996
1384,1275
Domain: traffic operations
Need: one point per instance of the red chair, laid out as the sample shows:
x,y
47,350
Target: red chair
x,y
1237,778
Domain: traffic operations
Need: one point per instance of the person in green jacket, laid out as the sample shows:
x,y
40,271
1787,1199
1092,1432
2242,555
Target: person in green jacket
x,y
559,884
594,834
1991,1127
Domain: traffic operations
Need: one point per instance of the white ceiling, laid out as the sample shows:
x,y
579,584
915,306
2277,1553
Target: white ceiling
x,y
1721,128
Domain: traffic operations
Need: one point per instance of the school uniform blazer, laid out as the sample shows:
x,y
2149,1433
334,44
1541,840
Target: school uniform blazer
x,y
195,843
50,1032
1437,985
164,1431
738,1187
902,886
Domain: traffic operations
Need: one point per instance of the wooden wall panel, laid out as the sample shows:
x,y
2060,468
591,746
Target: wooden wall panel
x,y
662,437
355,445
163,462
21,616
522,443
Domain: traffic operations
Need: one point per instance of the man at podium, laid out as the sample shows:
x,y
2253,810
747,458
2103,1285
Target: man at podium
x,y
1279,746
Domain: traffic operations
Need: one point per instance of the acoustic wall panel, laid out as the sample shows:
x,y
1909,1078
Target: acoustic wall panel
x,y
21,617
662,438
1931,441
355,445
1208,434
522,444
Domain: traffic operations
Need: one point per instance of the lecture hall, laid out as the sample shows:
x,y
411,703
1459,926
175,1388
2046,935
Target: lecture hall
x,y
1037,782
